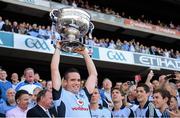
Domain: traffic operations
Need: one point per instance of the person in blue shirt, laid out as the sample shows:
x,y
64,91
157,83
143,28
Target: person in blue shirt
x,y
29,84
71,100
9,104
4,84
120,109
97,110
161,99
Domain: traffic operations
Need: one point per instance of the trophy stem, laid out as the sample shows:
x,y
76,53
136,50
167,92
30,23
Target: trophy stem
x,y
71,37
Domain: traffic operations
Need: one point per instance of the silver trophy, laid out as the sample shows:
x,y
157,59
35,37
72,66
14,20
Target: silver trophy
x,y
73,24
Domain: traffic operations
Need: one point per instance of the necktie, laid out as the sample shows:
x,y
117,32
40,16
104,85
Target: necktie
x,y
47,112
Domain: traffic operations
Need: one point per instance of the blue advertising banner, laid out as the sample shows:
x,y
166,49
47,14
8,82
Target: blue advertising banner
x,y
6,39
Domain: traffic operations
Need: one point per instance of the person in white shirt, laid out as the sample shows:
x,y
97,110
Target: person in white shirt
x,y
22,100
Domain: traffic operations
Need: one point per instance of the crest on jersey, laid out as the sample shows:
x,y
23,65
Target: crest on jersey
x,y
80,102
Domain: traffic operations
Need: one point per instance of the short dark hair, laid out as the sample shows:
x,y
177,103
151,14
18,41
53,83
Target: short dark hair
x,y
145,86
71,70
164,93
122,92
20,93
41,94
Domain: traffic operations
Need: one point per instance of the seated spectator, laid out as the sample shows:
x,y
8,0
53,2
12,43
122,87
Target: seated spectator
x,y
43,33
112,45
22,28
14,80
125,46
34,31
15,27
131,47
7,27
118,44
1,104
4,84
20,111
29,84
98,110
10,103
1,23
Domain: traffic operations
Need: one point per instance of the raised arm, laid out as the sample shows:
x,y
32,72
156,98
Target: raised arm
x,y
55,74
149,77
92,78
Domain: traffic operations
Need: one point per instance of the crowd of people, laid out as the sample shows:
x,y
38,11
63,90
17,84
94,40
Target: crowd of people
x,y
69,96
47,32
144,19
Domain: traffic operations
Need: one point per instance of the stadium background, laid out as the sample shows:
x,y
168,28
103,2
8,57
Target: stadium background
x,y
164,10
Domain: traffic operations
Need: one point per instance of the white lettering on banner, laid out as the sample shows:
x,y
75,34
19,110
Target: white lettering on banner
x,y
147,60
168,63
165,30
1,42
112,55
157,61
32,43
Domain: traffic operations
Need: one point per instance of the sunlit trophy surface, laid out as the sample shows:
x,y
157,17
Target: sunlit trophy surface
x,y
72,24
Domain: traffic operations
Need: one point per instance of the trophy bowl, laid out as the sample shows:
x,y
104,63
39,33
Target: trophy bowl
x,y
72,24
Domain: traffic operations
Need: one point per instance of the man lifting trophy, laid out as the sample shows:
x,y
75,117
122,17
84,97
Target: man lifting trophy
x,y
72,24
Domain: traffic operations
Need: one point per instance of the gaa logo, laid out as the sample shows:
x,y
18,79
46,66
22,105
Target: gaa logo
x,y
114,55
35,43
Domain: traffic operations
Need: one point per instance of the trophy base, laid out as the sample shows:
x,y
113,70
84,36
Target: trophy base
x,y
72,46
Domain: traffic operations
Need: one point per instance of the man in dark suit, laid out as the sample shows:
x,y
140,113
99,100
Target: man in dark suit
x,y
44,105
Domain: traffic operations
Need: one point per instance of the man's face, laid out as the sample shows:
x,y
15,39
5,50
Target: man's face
x,y
47,100
29,75
3,75
155,84
116,96
125,86
142,96
23,101
173,104
11,94
14,77
95,96
158,100
107,84
132,91
178,85
73,82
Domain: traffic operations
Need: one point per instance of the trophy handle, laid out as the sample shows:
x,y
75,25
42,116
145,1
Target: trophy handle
x,y
53,15
91,28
